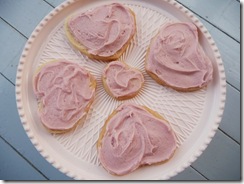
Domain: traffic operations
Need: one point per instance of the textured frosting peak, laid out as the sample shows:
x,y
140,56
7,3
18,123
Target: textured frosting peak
x,y
64,91
103,30
176,57
135,137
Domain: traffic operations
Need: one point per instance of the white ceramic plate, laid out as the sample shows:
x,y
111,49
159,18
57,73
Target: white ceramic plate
x,y
194,116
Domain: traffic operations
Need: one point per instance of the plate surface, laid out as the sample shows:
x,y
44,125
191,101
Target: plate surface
x,y
194,116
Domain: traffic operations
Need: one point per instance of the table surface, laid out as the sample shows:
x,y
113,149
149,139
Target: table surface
x,y
19,160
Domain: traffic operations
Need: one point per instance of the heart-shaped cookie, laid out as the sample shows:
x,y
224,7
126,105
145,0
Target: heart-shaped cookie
x,y
65,92
121,81
102,33
176,59
134,136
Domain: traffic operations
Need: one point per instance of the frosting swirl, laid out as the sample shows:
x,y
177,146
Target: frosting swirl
x,y
103,30
175,57
135,137
121,80
65,91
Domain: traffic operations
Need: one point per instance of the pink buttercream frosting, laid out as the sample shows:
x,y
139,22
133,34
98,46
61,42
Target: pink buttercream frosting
x,y
177,58
64,90
121,80
135,137
103,30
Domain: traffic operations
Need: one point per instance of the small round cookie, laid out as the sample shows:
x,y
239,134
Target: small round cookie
x,y
102,33
121,81
134,136
176,59
65,92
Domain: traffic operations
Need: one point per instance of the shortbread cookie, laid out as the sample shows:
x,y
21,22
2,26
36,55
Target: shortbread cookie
x,y
121,81
176,59
102,33
65,92
134,136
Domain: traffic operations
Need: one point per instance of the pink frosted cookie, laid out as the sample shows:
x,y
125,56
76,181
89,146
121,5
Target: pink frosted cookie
x,y
176,59
134,136
121,81
102,33
65,92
